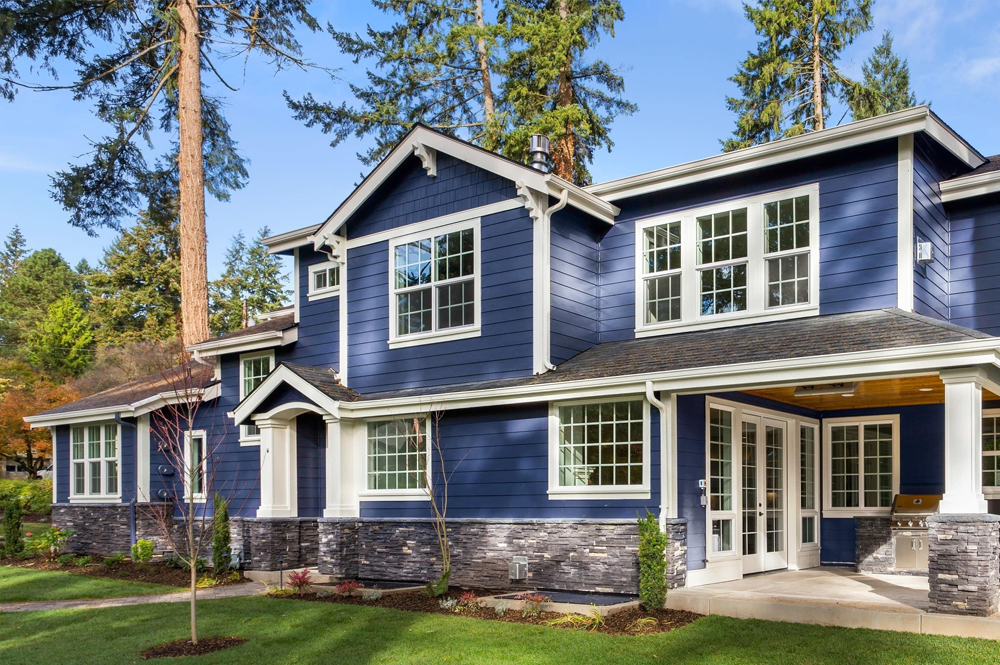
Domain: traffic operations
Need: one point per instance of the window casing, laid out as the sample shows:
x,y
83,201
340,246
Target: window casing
x,y
254,368
324,280
95,461
991,452
730,263
195,465
861,465
397,459
599,449
434,285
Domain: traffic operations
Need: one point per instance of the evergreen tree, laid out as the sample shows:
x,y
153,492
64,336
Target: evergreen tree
x,y
40,280
136,292
885,86
786,84
251,276
14,251
62,343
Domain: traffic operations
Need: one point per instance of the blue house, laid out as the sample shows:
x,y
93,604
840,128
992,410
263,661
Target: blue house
x,y
762,348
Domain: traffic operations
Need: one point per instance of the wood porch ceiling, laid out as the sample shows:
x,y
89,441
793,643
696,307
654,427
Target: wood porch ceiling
x,y
869,394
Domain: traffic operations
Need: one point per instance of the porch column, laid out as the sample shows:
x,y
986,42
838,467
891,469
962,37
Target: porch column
x,y
334,464
278,469
963,436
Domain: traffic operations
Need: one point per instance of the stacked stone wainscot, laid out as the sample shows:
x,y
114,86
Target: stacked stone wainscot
x,y
965,564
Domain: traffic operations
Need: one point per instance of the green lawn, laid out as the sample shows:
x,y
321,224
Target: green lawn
x,y
286,631
18,584
34,527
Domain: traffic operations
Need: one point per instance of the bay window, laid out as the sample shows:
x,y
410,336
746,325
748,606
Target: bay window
x,y
94,461
729,263
862,465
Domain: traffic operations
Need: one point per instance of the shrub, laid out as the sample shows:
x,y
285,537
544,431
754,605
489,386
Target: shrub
x,y
500,609
52,541
642,625
326,593
275,592
450,604
175,561
438,587
347,587
371,595
591,621
206,582
652,563
82,560
468,600
35,495
142,551
65,559
532,607
13,516
113,559
221,554
300,580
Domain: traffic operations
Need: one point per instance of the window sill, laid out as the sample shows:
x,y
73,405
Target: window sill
x,y
856,512
394,495
434,337
95,499
250,441
320,295
728,320
598,494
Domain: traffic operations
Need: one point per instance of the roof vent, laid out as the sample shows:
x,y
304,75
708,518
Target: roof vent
x,y
539,151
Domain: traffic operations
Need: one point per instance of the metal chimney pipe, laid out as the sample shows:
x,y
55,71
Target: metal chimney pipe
x,y
539,151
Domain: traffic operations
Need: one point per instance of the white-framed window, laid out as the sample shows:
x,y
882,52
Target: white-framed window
x,y
808,482
599,449
721,500
729,263
397,459
861,465
434,285
195,464
324,280
991,452
95,461
254,368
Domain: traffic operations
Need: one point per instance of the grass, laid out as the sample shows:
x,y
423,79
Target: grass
x,y
34,527
20,584
289,631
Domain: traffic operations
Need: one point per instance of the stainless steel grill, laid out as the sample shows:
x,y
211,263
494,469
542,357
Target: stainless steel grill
x,y
908,521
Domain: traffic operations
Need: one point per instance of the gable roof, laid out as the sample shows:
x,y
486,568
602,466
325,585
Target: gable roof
x,y
420,138
984,179
273,331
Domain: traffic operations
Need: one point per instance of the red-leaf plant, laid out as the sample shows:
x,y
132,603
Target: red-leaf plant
x,y
300,580
348,587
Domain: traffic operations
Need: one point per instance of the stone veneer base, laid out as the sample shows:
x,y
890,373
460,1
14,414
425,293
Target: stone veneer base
x,y
873,545
964,564
579,555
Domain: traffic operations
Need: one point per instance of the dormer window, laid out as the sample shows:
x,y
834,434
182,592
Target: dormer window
x,y
728,264
324,280
434,284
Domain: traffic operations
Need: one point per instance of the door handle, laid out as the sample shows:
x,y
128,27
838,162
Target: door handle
x,y
760,514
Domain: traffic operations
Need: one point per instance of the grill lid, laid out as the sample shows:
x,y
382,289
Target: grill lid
x,y
915,504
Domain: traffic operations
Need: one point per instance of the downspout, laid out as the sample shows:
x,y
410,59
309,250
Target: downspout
x,y
662,408
131,504
547,229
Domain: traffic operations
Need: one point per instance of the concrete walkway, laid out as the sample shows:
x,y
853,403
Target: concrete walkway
x,y
832,597
235,591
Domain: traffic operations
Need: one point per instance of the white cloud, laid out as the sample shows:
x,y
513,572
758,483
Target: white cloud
x,y
11,162
980,70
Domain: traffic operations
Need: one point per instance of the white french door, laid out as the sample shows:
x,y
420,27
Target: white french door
x,y
764,497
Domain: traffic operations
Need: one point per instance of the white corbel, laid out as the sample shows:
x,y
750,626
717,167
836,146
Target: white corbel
x,y
533,201
428,158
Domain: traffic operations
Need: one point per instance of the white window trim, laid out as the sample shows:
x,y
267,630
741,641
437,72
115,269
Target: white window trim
x,y
815,511
757,310
990,492
736,486
449,334
860,511
598,492
198,497
247,439
87,497
416,494
329,291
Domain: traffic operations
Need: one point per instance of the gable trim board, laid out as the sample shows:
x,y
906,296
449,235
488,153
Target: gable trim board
x,y
282,374
891,125
904,233
969,186
245,343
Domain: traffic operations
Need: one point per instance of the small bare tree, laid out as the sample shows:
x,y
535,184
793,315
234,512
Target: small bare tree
x,y
438,494
194,455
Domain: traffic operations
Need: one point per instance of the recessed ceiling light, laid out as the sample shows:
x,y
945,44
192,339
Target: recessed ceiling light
x,y
926,390
848,395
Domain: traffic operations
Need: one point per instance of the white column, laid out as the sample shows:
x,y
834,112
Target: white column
x,y
278,469
142,454
333,467
55,469
963,436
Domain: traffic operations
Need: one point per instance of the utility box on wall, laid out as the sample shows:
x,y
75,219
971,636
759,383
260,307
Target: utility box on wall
x,y
518,568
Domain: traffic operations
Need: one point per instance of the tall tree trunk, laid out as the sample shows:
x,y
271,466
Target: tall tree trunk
x,y
191,166
817,75
564,153
484,69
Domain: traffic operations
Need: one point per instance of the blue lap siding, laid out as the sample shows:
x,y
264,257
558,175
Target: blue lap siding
x,y
975,263
62,478
575,283
310,448
319,322
499,460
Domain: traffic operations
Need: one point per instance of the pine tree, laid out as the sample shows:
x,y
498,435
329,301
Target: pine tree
x,y
786,84
251,276
136,292
14,251
885,86
62,343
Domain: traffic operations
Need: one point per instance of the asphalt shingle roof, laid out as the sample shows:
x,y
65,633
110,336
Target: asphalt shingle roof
x,y
276,324
992,164
325,380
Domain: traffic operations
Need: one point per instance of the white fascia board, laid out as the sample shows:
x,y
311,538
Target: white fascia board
x,y
71,417
427,138
279,376
289,240
866,364
890,125
969,186
255,342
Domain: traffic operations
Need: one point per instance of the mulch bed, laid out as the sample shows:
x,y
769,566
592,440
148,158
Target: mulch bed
x,y
633,621
179,648
154,572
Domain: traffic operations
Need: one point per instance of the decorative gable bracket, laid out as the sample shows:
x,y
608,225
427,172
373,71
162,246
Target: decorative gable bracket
x,y
534,202
428,158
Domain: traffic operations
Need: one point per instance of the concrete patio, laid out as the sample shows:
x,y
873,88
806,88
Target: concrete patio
x,y
832,597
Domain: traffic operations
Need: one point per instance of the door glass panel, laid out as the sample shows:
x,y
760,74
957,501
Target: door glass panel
x,y
774,489
749,488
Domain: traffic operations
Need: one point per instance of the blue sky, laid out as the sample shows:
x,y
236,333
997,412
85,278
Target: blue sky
x,y
677,57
